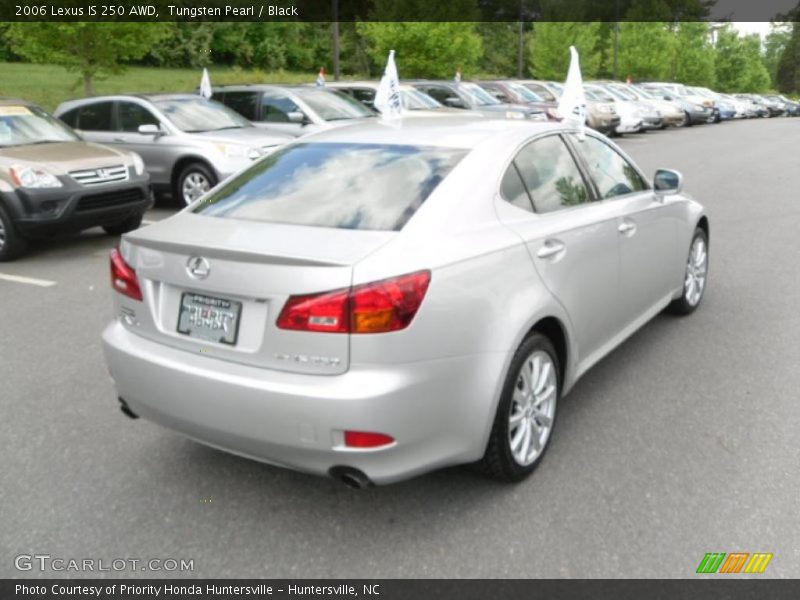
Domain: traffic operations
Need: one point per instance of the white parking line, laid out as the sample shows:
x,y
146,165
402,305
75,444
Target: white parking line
x,y
28,280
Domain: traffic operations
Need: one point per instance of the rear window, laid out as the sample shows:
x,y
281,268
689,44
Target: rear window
x,y
342,185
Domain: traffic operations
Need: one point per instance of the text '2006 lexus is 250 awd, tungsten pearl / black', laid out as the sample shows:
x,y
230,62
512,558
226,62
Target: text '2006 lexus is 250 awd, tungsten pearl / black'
x,y
373,302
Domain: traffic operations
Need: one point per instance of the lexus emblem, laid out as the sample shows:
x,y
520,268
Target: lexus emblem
x,y
198,267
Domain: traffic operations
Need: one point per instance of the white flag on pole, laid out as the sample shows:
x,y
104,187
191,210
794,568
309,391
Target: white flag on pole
x,y
387,98
205,85
572,106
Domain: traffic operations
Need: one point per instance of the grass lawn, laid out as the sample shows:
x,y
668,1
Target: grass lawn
x,y
49,85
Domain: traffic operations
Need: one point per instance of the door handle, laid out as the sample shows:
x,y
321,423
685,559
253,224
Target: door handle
x,y
627,228
551,249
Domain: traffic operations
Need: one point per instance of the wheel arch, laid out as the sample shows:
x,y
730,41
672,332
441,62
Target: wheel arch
x,y
185,161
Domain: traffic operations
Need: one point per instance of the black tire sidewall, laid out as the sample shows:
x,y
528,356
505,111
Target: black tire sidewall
x,y
15,245
681,306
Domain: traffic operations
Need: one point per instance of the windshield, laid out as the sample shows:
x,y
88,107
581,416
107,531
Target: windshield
x,y
600,94
21,125
557,88
337,185
413,99
196,115
477,95
333,106
645,93
524,93
621,93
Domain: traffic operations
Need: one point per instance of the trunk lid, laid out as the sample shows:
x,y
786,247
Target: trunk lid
x,y
255,266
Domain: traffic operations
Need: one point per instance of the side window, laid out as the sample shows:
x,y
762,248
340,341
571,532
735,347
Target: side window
x,y
276,108
95,117
496,92
551,175
70,118
512,189
365,96
612,174
244,103
542,91
130,116
440,94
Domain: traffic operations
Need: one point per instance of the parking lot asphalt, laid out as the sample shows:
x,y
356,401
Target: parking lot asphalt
x,y
683,441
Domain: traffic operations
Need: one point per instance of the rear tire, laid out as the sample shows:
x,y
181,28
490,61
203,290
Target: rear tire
x,y
12,244
695,277
523,412
125,226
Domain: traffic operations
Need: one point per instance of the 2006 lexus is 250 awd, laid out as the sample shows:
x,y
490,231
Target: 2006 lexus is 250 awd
x,y
374,301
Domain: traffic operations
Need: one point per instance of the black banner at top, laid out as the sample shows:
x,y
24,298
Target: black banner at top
x,y
397,10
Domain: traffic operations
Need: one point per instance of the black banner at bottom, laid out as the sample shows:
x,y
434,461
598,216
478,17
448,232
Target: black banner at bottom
x,y
400,589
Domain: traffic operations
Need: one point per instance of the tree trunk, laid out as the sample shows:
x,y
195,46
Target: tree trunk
x,y
88,84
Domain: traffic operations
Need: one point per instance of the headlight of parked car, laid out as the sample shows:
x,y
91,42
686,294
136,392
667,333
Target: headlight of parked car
x,y
511,114
138,163
33,177
239,151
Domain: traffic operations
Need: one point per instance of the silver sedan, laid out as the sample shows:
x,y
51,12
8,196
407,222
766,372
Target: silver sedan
x,y
374,302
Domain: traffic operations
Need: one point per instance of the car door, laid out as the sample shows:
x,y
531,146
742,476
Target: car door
x,y
95,122
647,226
156,150
276,108
571,239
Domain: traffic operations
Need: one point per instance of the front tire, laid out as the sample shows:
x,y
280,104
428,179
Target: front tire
x,y
526,412
194,180
12,245
125,226
695,278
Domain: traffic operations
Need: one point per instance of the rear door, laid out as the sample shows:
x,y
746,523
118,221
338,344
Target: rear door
x,y
647,228
572,239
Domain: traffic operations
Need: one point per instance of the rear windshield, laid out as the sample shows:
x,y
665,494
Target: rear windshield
x,y
341,185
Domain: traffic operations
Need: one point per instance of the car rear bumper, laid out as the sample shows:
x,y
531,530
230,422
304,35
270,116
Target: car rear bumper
x,y
439,412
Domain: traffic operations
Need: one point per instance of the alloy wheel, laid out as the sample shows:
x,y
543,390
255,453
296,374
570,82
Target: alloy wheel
x,y
533,407
696,271
195,184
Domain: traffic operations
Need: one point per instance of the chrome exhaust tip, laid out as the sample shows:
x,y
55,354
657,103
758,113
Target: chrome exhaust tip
x,y
351,477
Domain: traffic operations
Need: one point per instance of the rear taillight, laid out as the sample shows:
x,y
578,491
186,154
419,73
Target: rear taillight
x,y
379,307
123,277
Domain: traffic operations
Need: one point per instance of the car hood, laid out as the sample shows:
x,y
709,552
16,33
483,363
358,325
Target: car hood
x,y
61,157
257,137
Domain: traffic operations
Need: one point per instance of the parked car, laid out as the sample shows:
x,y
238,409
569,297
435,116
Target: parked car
x,y
600,116
412,100
631,116
742,109
696,111
724,110
188,143
672,114
757,106
52,182
466,95
513,92
293,109
331,309
650,116
791,109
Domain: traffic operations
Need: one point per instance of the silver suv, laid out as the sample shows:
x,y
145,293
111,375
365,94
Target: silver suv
x,y
188,143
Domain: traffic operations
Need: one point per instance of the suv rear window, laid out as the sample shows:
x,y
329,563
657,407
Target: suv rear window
x,y
337,185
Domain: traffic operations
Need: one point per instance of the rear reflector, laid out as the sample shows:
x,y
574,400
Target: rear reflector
x,y
123,277
365,439
379,307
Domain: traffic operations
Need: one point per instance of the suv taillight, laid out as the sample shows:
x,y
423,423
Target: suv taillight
x,y
123,277
379,307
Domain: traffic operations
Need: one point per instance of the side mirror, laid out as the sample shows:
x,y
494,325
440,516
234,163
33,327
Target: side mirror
x,y
150,129
667,182
298,117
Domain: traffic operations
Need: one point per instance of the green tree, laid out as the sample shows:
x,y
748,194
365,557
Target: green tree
x,y
187,44
788,73
549,43
424,49
91,49
738,63
693,55
775,45
500,44
645,50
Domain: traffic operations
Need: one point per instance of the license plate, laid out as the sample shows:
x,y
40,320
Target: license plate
x,y
209,318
